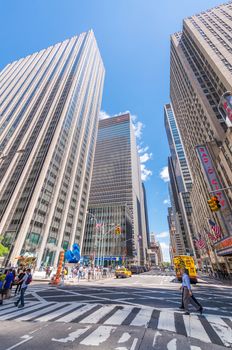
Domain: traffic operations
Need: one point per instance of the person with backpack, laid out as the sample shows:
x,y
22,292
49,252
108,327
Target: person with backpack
x,y
18,283
6,285
26,280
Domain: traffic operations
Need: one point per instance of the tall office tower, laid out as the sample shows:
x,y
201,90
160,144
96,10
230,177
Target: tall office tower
x,y
180,184
176,241
146,215
116,196
50,103
201,72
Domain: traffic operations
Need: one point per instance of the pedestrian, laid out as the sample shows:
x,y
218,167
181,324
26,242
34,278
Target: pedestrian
x,y
187,293
6,285
18,283
26,280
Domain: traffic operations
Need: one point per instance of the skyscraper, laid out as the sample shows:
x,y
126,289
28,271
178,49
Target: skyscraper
x,y
180,185
50,103
116,196
201,68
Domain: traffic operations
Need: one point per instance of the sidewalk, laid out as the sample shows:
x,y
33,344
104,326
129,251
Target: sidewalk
x,y
206,278
74,281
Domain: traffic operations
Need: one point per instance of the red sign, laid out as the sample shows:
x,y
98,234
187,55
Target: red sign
x,y
224,247
211,175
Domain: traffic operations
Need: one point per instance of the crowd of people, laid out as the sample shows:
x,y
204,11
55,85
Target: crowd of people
x,y
19,278
79,272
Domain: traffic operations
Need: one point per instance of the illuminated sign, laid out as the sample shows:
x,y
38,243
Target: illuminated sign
x,y
224,247
211,175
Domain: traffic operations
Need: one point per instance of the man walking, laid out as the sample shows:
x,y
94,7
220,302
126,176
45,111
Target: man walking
x,y
26,280
187,293
6,285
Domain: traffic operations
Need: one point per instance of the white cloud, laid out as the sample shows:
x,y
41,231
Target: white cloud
x,y
145,157
163,234
164,175
104,115
137,125
142,150
145,173
167,201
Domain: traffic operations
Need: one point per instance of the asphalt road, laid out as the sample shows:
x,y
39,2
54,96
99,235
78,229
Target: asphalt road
x,y
122,314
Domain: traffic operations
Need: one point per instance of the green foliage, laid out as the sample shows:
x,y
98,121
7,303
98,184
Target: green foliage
x,y
3,250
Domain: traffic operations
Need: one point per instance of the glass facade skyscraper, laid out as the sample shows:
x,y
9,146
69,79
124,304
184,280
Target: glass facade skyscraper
x,y
50,103
116,196
180,186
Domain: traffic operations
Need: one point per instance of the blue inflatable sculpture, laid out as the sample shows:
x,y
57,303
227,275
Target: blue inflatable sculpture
x,y
73,256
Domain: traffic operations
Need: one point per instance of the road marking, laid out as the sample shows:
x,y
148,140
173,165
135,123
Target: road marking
x,y
71,316
56,313
133,346
142,318
157,334
119,316
195,329
72,336
40,312
221,328
25,338
100,335
125,337
167,321
98,314
38,297
19,311
8,308
172,344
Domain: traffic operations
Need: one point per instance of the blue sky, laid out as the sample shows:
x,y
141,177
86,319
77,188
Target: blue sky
x,y
133,37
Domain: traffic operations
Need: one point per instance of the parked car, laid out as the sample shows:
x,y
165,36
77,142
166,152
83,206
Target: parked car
x,y
123,272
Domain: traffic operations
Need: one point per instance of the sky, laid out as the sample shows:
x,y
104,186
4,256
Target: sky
x,y
134,40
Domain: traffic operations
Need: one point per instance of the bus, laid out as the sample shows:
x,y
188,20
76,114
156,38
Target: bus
x,y
187,262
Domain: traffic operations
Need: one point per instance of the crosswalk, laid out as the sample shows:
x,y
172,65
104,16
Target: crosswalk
x,y
207,328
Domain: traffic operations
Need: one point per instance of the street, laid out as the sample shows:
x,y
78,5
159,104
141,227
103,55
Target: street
x,y
122,314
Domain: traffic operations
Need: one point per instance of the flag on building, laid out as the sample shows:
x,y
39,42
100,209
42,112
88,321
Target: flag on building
x,y
98,225
216,229
200,243
211,236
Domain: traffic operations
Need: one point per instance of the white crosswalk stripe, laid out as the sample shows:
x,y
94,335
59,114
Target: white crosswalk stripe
x,y
114,315
142,318
98,314
194,328
166,321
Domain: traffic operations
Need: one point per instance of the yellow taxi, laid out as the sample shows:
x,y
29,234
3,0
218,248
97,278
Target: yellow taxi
x,y
123,272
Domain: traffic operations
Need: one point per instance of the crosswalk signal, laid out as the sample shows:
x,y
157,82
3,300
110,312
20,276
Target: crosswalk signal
x,y
118,230
214,203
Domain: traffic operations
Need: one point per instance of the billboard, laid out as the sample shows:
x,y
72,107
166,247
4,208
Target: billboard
x,y
211,175
225,107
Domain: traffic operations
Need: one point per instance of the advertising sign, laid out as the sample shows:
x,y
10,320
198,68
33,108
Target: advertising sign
x,y
225,107
211,175
224,247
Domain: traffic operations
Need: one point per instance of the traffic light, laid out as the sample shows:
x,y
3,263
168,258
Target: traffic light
x,y
214,203
118,230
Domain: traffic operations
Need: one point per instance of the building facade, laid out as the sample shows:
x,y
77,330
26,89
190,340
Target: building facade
x,y
116,197
180,187
155,254
50,103
200,73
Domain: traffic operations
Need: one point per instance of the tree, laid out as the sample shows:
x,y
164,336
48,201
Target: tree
x,y
3,250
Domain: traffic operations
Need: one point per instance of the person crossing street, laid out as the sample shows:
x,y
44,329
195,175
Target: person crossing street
x,y
187,293
26,280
